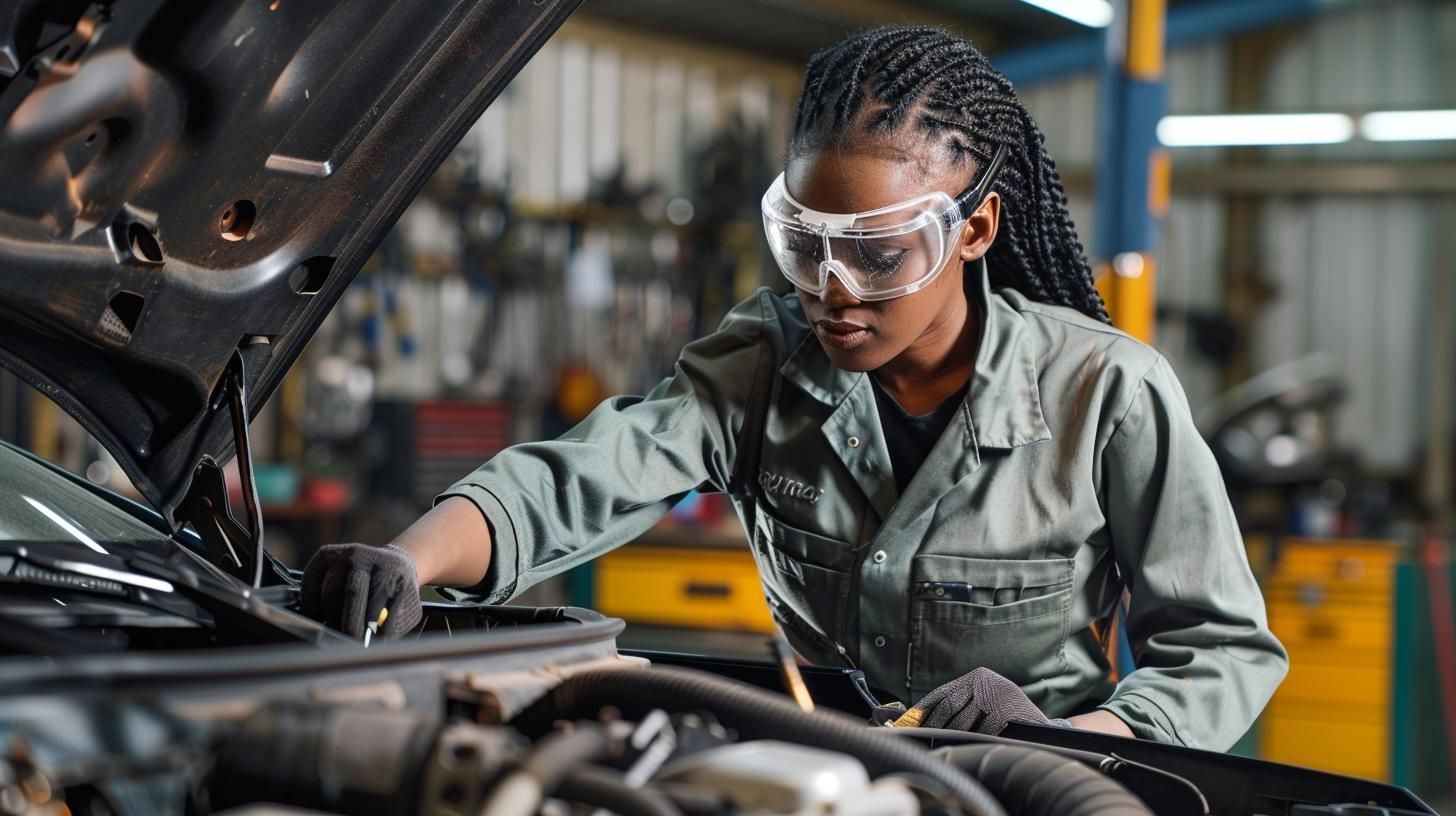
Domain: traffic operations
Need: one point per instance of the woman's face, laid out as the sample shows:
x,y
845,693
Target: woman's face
x,y
865,335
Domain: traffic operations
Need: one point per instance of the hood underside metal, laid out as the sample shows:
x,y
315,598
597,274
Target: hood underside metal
x,y
188,181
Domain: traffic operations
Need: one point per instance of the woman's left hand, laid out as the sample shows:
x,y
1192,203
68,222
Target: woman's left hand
x,y
981,701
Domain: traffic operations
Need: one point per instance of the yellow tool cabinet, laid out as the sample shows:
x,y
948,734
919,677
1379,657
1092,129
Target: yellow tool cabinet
x,y
1331,602
691,587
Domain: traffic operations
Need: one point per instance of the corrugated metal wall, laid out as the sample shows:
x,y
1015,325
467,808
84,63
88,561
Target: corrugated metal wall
x,y
585,104
1353,274
1192,257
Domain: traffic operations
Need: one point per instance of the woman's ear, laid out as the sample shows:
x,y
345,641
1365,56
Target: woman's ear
x,y
980,231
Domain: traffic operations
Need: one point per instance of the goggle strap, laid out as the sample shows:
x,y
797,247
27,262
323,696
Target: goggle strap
x,y
968,202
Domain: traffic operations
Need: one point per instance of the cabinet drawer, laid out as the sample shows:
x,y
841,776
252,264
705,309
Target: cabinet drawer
x,y
1338,690
700,589
1332,633
1333,567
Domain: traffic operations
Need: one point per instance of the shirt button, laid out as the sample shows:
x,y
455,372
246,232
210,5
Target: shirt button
x,y
880,641
853,441
840,647
880,556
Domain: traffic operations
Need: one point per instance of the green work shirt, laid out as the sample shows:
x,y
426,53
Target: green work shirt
x,y
1071,471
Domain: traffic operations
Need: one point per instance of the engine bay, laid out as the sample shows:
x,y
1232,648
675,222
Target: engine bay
x,y
515,711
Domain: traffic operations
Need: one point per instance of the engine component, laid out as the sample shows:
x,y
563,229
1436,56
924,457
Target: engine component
x,y
459,770
755,715
356,760
24,790
779,777
610,790
550,761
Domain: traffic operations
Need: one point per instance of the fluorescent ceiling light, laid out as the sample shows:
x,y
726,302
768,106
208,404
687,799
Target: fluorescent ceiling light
x,y
1255,129
1094,13
1408,126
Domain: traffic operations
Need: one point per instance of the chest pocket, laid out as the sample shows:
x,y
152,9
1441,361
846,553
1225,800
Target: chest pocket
x,y
806,576
1011,616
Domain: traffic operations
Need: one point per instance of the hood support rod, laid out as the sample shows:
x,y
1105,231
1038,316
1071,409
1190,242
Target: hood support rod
x,y
243,444
206,505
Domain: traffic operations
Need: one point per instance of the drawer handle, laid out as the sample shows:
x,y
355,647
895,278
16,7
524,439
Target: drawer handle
x,y
698,589
1350,568
1311,594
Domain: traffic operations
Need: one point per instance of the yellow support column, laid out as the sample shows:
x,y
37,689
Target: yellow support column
x,y
1129,286
1134,184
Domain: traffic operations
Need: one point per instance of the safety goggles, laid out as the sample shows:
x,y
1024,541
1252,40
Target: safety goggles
x,y
876,255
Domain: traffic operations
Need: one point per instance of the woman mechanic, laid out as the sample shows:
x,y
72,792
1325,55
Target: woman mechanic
x,y
947,462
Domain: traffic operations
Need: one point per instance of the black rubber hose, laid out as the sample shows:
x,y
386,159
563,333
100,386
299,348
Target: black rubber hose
x,y
1033,782
605,788
1162,791
754,714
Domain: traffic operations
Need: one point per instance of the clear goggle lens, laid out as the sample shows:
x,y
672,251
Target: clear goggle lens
x,y
876,255
872,267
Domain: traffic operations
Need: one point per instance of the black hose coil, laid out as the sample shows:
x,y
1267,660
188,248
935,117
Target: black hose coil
x,y
1032,782
754,714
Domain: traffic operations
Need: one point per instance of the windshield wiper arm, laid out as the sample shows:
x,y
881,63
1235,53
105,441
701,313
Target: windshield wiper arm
x,y
30,567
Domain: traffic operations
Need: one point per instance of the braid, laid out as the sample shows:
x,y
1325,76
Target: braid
x,y
881,80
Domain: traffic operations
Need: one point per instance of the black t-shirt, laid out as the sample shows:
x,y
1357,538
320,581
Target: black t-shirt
x,y
909,437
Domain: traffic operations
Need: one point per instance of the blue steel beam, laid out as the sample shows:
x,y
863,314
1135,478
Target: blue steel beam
x,y
1186,25
1132,178
1127,139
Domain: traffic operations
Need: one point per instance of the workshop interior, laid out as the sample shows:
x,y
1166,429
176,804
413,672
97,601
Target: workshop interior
x,y
275,274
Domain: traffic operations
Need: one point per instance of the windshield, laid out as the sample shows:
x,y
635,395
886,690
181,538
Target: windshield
x,y
40,504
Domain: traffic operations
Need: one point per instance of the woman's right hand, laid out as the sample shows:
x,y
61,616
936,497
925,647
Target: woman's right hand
x,y
346,585
349,586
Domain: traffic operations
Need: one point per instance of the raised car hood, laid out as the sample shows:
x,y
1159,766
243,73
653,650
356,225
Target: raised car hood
x,y
185,182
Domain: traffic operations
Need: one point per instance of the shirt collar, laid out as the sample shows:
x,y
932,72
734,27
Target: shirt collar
x,y
1004,403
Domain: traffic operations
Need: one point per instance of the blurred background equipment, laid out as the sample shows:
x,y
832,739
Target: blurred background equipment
x,y
1268,188
1276,432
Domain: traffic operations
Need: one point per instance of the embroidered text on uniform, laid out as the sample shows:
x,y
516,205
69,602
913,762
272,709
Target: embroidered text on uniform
x,y
776,483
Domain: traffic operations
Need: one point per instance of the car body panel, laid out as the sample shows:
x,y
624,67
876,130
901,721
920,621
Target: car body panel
x,y
190,181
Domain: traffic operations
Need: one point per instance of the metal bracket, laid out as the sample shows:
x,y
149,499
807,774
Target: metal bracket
x,y
230,545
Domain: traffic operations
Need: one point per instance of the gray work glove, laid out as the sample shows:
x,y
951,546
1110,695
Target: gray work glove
x,y
982,701
346,585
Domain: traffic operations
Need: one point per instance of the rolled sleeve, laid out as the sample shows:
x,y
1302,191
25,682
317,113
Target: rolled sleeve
x,y
499,583
555,504
1206,661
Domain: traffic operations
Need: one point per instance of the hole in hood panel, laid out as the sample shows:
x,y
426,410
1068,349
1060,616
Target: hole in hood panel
x,y
119,321
309,277
143,244
236,223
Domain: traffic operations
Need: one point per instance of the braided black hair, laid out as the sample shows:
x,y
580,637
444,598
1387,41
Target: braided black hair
x,y
880,80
